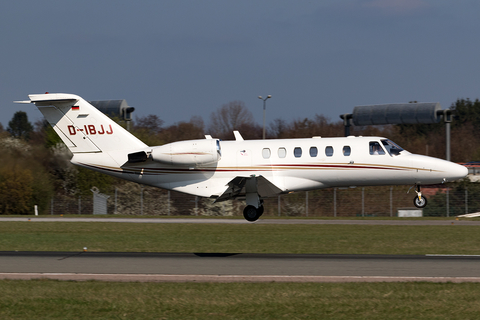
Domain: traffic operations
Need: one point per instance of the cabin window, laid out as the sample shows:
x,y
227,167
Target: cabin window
x,y
329,151
282,152
297,152
313,152
266,153
346,151
375,148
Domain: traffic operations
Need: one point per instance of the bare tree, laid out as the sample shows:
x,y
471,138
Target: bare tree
x,y
152,123
148,129
184,130
279,129
229,117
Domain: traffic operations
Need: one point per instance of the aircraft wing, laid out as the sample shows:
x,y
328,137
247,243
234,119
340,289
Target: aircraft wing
x,y
236,188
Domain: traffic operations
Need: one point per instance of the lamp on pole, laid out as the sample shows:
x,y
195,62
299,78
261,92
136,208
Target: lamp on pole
x,y
264,107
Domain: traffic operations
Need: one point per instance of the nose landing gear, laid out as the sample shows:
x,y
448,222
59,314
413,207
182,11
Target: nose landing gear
x,y
419,201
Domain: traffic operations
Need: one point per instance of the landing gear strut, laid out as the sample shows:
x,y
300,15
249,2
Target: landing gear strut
x,y
419,201
254,208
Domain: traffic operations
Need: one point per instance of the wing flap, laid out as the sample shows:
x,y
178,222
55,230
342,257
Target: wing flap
x,y
236,188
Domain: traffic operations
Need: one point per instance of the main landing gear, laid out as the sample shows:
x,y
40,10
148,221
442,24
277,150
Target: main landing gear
x,y
419,201
254,208
250,213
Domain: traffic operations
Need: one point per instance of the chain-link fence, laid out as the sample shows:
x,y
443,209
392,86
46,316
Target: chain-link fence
x,y
135,199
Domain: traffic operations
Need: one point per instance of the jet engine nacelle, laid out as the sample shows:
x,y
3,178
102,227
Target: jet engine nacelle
x,y
191,152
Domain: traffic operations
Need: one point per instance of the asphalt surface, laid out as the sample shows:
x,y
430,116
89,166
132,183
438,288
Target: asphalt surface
x,y
236,267
231,267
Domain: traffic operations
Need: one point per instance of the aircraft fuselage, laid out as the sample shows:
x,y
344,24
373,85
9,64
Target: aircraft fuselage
x,y
291,165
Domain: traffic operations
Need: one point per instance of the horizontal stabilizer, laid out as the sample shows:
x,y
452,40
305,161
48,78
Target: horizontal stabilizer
x,y
23,101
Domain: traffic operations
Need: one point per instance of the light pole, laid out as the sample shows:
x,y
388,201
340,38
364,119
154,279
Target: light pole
x,y
264,107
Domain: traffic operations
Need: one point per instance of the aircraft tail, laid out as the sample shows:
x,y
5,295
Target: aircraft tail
x,y
81,126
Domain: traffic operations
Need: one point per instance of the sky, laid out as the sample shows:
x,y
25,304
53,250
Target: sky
x,y
178,59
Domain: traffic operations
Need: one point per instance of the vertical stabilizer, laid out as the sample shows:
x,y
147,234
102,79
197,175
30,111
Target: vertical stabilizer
x,y
82,127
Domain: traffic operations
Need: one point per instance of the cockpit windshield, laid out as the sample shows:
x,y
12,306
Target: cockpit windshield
x,y
392,148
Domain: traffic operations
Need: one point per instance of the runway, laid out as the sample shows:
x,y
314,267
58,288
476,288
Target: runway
x,y
200,267
231,267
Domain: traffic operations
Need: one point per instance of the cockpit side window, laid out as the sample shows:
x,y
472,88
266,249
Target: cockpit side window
x,y
392,148
375,148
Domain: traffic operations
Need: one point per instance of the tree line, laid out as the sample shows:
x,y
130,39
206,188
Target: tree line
x,y
35,163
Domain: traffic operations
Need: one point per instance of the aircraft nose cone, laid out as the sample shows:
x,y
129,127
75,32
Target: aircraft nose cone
x,y
456,171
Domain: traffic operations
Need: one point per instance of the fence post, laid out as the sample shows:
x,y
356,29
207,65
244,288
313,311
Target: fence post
x,y
448,202
79,204
306,203
279,207
141,199
335,202
168,203
115,209
363,202
466,200
51,206
196,205
391,201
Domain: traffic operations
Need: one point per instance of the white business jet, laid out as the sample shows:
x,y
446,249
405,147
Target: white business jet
x,y
240,169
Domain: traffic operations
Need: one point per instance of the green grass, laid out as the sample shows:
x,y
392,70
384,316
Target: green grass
x,y
249,238
46,299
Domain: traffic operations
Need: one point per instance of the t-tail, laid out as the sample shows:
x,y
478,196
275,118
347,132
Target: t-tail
x,y
81,126
96,141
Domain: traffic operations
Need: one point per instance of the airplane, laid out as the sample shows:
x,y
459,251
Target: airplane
x,y
240,169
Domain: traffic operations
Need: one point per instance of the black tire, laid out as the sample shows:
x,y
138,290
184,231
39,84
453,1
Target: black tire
x,y
250,213
260,210
420,203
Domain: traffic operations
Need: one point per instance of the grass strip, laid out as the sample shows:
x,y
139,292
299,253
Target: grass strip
x,y
49,299
251,238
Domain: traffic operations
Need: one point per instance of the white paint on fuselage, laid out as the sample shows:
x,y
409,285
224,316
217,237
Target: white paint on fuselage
x,y
245,158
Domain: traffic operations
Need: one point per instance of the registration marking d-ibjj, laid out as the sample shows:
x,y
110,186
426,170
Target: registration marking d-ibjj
x,y
90,129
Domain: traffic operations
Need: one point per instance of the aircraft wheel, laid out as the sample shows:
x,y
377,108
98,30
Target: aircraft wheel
x,y
250,213
260,211
420,203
